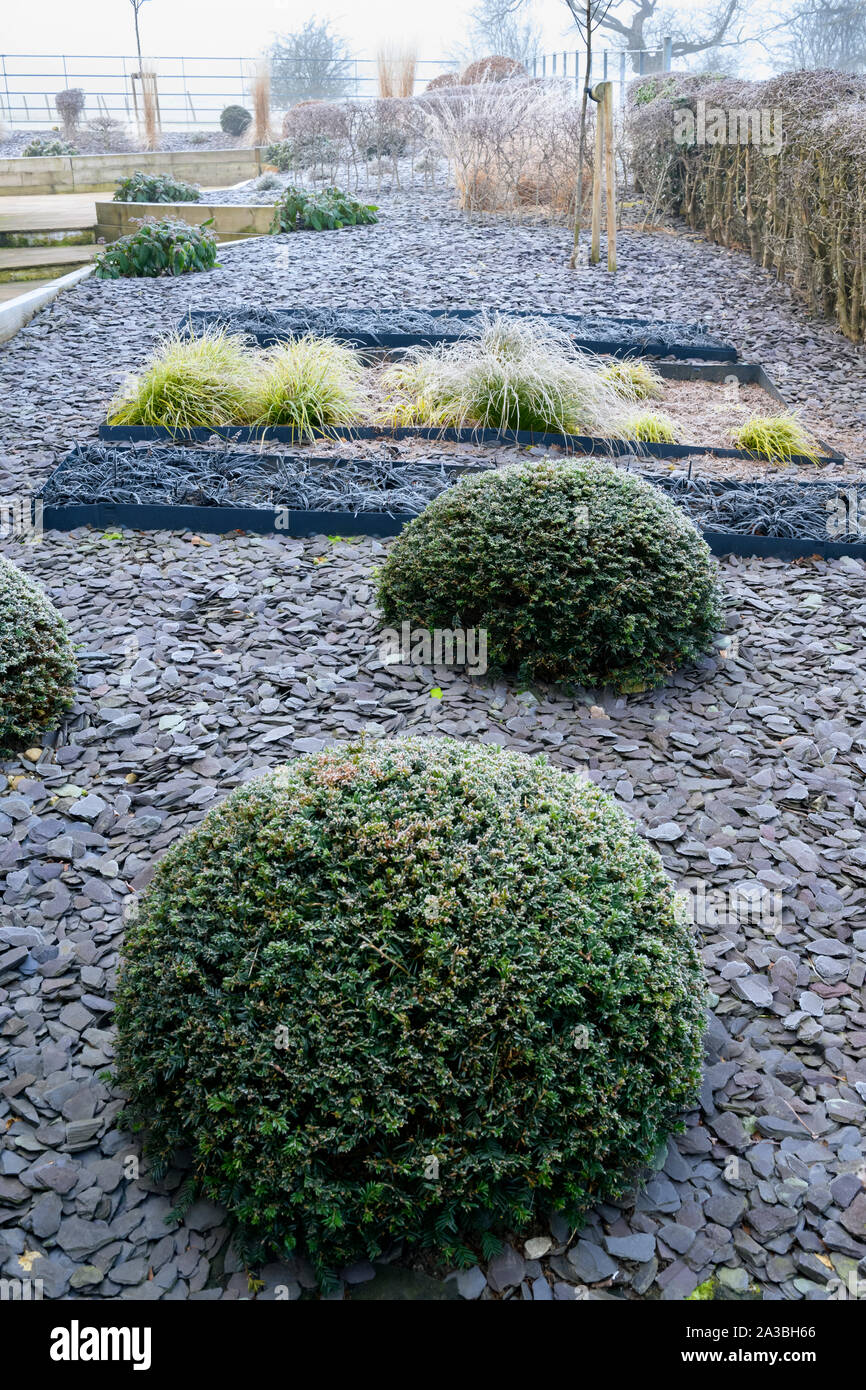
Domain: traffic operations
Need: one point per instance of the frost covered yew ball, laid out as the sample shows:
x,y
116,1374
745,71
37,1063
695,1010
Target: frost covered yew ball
x,y
406,989
577,571
37,662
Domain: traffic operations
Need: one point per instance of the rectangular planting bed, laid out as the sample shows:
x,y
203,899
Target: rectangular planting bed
x,y
405,327
217,491
712,378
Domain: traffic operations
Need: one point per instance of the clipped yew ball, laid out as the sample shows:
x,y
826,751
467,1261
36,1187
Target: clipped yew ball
x,y
401,989
579,572
37,662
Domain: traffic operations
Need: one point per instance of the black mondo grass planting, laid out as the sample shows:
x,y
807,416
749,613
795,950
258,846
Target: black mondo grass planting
x,y
580,573
37,661
412,989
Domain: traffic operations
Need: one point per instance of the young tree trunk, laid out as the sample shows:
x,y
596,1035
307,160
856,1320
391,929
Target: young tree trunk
x,y
581,151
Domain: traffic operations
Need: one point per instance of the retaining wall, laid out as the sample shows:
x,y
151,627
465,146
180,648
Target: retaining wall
x,y
97,173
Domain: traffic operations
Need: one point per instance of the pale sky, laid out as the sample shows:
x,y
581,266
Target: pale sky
x,y
240,28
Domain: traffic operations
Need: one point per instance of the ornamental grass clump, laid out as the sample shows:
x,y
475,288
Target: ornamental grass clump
x,y
37,661
308,383
578,572
634,381
651,427
404,989
190,383
517,374
778,438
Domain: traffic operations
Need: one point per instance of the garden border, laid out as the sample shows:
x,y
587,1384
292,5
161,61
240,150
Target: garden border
x,y
657,347
217,520
746,373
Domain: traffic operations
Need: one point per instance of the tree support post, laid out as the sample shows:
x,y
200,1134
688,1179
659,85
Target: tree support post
x,y
602,95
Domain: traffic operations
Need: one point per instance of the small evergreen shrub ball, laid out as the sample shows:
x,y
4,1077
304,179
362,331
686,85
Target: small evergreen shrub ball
x,y
37,664
399,989
579,572
234,120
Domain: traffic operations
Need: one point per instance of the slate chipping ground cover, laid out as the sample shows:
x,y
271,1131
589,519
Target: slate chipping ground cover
x,y
207,659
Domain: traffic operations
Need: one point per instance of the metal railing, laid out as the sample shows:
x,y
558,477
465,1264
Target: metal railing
x,y
617,65
192,91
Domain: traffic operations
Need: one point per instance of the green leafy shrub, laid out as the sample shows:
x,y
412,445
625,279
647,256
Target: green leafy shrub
x,y
45,147
155,188
299,211
166,247
189,383
517,374
309,382
579,572
265,182
235,120
651,427
401,951
635,381
37,664
777,438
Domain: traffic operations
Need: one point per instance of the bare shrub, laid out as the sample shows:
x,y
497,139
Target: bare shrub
x,y
496,68
70,106
396,70
511,146
445,79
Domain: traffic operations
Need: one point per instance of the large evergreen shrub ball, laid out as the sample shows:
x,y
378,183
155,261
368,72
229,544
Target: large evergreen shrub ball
x,y
392,955
37,664
579,572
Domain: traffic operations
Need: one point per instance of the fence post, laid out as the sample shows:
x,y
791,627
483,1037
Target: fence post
x,y
640,60
667,54
544,65
622,78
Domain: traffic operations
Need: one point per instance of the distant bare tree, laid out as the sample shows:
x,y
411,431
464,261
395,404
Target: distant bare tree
x,y
309,64
495,29
827,34
136,6
642,24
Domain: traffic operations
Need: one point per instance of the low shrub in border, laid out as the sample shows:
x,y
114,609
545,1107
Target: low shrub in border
x,y
579,572
408,990
37,662
166,247
328,210
140,187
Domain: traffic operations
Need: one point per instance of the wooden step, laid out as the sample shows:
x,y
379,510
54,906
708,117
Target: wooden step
x,y
23,257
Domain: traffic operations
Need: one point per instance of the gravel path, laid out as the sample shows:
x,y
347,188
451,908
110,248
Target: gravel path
x,y
208,659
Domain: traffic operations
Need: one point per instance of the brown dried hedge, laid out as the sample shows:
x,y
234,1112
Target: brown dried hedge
x,y
800,211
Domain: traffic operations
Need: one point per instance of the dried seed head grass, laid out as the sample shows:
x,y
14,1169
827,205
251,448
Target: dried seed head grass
x,y
651,427
191,383
634,381
517,374
310,382
777,438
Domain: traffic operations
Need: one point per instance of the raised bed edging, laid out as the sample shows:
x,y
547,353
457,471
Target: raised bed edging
x,y
713,351
219,520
